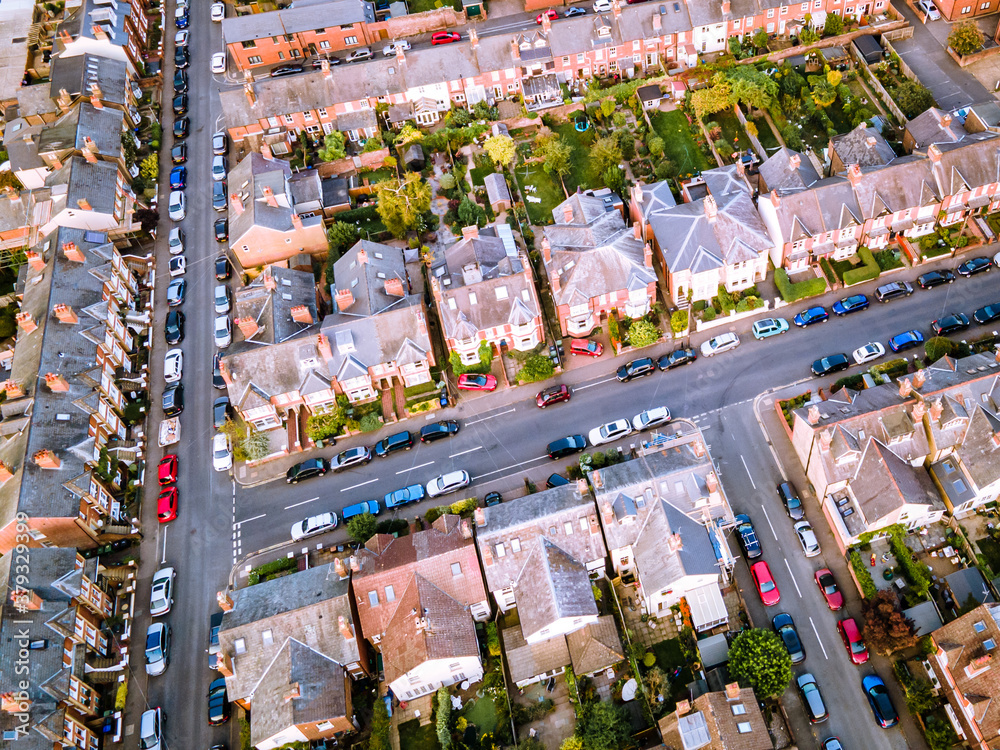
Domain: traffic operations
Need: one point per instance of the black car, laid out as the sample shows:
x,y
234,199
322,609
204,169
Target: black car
x,y
218,704
220,411
785,627
174,328
677,358
180,104
950,324
748,537
286,70
313,467
893,290
399,442
221,230
790,499
222,268
219,196
556,480
492,498
987,313
567,446
181,57
179,153
932,279
173,400
182,126
444,428
831,364
180,82
217,380
636,369
973,266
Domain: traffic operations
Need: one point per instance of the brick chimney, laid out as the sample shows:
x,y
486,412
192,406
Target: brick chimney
x,y
339,568
674,543
227,376
26,599
473,38
400,57
515,51
470,233
302,314
945,121
248,326
394,287
265,150
733,691
25,322
607,513
224,663
567,214
65,37
5,473
825,440
46,459
71,250
812,416
35,260
89,156
13,389
871,141
647,255
905,387
323,344
480,517
637,230
546,22
324,65
934,153
270,283
546,249
775,200
362,256
683,707
84,204
794,161
616,9
56,382
919,378
854,174
237,204
269,196
292,693
355,564
464,527
699,448
712,482
937,408
345,298
64,99
919,409
224,600
13,703
95,90
711,208
345,628
555,282
99,32
726,7
297,222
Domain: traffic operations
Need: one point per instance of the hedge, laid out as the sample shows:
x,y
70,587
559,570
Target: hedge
x,y
868,588
854,382
870,270
270,568
893,368
801,290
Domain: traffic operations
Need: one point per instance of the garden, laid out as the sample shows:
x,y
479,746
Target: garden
x,y
726,302
864,265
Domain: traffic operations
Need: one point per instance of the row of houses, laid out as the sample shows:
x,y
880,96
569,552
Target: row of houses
x,y
409,609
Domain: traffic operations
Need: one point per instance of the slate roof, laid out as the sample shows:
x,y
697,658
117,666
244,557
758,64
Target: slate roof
x,y
884,483
260,373
968,582
364,270
978,452
929,127
103,126
92,181
335,192
248,180
595,647
75,74
712,725
654,198
863,146
271,309
397,335
296,19
527,661
778,174
551,585
496,188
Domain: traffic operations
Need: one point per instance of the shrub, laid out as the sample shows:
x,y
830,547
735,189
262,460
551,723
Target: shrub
x,y
866,272
121,696
269,569
868,587
854,382
649,659
749,303
800,290
679,321
914,571
362,528
708,314
492,639
643,333
893,368
322,426
464,507
536,367
435,513
370,423
392,526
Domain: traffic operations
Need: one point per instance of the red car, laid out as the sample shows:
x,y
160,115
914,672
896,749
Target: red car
x,y
553,395
444,37
477,382
551,13
586,347
765,584
852,640
166,470
831,592
166,505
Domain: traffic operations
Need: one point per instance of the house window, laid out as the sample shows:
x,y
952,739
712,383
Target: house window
x,y
770,12
770,28
324,45
515,545
255,60
979,627
568,528
296,54
744,727
322,112
250,44
240,644
289,119
501,552
390,594
456,568
581,58
373,598
739,709
324,726
281,55
350,40
268,637
989,644
455,665
967,9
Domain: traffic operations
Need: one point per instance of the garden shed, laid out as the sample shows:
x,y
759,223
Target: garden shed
x,y
413,157
868,48
497,192
650,96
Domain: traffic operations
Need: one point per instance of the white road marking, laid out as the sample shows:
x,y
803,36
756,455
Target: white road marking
x,y
825,656
591,385
793,578
304,502
769,522
491,416
418,466
164,560
362,484
254,518
462,453
748,473
507,468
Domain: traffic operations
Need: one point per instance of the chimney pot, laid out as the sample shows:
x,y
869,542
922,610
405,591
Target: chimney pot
x,y
323,345
934,153
794,161
345,629
302,314
35,260
25,322
775,200
70,249
270,283
84,205
919,378
13,389
945,121
56,382
813,414
937,408
237,203
46,459
871,141
733,691
637,230
345,298
905,387
394,287
355,564
339,568
480,516
265,150
297,222
547,256
683,707
919,409
854,174
248,327
711,208
567,214
224,600
699,448
465,527
647,255
470,233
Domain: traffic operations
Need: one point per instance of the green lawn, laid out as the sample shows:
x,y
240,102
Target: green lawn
x,y
732,133
584,173
481,712
479,175
669,657
766,136
679,145
412,736
546,187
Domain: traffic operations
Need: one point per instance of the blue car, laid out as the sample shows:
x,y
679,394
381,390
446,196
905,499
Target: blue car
x,y
878,699
906,340
810,316
412,494
767,327
178,178
854,303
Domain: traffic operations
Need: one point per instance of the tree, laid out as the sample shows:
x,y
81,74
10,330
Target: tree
x,y
341,235
751,87
447,181
256,444
679,321
536,367
712,99
735,47
759,659
913,98
326,424
834,77
833,26
603,726
884,628
148,218
605,153
333,146
401,204
373,144
150,168
571,743
656,146
823,94
665,170
939,734
966,38
362,528
501,149
443,718
808,36
760,39
379,738
556,154
614,178
791,81
608,108
643,333
470,213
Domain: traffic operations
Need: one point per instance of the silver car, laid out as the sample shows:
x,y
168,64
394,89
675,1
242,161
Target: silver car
x,y
453,481
807,538
161,598
651,418
157,648
719,344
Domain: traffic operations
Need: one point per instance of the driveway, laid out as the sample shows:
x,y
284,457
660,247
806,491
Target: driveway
x,y
925,53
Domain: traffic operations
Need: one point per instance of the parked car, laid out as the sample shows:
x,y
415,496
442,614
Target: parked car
x,y
412,494
311,467
398,442
932,279
438,430
764,581
893,290
608,433
217,380
790,499
175,241
879,700
390,49
602,6
178,178
173,328
161,596
850,634
182,126
180,82
361,53
151,729
221,299
868,352
492,498
586,347
218,703
157,648
220,167
566,446
747,535
179,153
650,418
180,104
553,395
768,327
807,539
719,344
221,229
177,266
677,358
574,11
445,484
469,382
927,7
973,266
220,199
166,470
358,509
950,324
173,365
218,12
181,38
551,13
222,453
811,316
317,62
351,457
220,143
906,340
555,480
635,369
223,331
987,313
829,588
809,690
181,18
181,57
289,69
175,292
318,524
222,268
166,505
785,627
444,37
219,62
848,305
831,364
175,207
173,400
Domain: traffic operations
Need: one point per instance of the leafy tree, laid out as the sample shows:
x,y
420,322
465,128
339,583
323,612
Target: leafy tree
x,y
341,235
572,743
823,94
333,146
148,218
608,107
324,425
758,658
401,204
735,47
150,168
443,718
913,98
619,121
679,321
656,146
966,38
614,178
408,133
362,528
501,149
447,181
712,99
643,333
884,628
791,82
759,39
373,144
833,25
751,87
470,213
808,36
379,738
603,726
665,170
939,734
256,444
536,367
605,153
626,142
556,155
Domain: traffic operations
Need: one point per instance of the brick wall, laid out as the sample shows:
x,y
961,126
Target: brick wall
x,y
423,23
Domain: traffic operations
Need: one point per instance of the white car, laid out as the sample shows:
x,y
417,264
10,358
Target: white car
x,y
221,299
609,432
868,352
173,365
314,525
178,265
222,456
218,12
219,167
157,648
453,481
175,243
151,729
390,49
719,344
181,38
928,7
223,331
651,418
807,538
602,6
219,143
176,206
162,596
219,62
